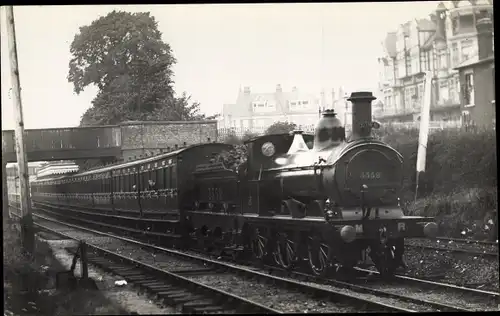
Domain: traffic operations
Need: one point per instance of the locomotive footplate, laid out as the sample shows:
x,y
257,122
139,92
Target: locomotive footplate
x,y
407,227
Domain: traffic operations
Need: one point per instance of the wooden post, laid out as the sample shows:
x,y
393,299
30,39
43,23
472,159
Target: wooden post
x,y
27,233
84,260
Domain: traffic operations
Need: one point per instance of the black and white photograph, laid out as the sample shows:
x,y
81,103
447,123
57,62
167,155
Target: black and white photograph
x,y
249,158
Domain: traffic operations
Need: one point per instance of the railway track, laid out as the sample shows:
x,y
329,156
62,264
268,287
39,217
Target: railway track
x,y
166,287
391,295
457,246
288,292
468,241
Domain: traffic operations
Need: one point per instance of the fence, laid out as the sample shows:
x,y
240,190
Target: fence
x,y
246,131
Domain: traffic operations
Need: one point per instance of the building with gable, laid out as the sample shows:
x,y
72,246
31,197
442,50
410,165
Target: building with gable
x,y
255,111
440,43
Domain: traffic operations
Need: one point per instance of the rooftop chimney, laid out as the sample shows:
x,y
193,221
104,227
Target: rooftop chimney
x,y
278,88
484,38
361,114
440,39
246,90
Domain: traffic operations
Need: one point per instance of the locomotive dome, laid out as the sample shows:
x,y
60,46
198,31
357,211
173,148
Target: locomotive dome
x,y
329,131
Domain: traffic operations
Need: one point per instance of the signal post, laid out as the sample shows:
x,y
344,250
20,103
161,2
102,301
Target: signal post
x,y
27,232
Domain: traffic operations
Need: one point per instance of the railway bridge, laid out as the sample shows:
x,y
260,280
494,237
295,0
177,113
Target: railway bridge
x,y
123,141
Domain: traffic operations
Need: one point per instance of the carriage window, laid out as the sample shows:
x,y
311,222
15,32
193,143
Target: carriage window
x,y
166,177
152,177
144,181
159,178
132,180
135,179
173,178
102,180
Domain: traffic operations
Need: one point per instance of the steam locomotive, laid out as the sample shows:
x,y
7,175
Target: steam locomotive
x,y
320,202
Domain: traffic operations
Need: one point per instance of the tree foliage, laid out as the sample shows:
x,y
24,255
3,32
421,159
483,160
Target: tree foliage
x,y
123,55
280,128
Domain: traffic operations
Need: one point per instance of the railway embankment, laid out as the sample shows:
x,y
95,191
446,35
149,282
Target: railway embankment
x,y
459,189
30,284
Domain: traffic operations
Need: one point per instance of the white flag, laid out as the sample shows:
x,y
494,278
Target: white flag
x,y
424,123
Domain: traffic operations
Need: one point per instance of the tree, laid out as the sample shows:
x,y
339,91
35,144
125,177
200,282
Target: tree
x,y
123,55
280,128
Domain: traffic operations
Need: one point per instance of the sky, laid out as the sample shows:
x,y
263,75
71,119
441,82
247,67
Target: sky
x,y
219,49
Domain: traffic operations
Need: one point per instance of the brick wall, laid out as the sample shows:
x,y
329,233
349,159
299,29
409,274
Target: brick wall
x,y
145,138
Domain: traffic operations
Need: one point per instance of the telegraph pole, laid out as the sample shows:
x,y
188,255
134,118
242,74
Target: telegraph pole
x,y
27,233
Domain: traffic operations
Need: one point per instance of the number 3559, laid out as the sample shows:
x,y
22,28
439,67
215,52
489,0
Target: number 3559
x,y
370,175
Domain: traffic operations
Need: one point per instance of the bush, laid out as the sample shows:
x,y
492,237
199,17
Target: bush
x,y
459,186
281,128
455,159
232,139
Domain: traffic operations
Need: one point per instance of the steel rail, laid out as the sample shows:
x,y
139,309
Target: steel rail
x,y
334,295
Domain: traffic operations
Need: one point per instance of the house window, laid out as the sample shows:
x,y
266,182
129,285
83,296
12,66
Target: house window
x,y
454,26
467,49
465,119
408,95
298,105
425,60
442,64
420,93
443,90
455,55
263,106
408,64
468,89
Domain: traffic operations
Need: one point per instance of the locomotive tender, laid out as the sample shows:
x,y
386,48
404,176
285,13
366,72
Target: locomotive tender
x,y
321,207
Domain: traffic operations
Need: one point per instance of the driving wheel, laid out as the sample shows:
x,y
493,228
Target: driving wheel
x,y
285,254
318,255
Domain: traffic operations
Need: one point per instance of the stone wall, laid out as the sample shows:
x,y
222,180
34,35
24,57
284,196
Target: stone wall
x,y
145,138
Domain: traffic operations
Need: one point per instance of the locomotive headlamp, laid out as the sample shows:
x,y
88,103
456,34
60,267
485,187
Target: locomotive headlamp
x,y
430,229
348,233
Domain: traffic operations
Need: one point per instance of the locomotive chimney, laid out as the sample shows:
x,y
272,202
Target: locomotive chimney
x,y
298,143
361,114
